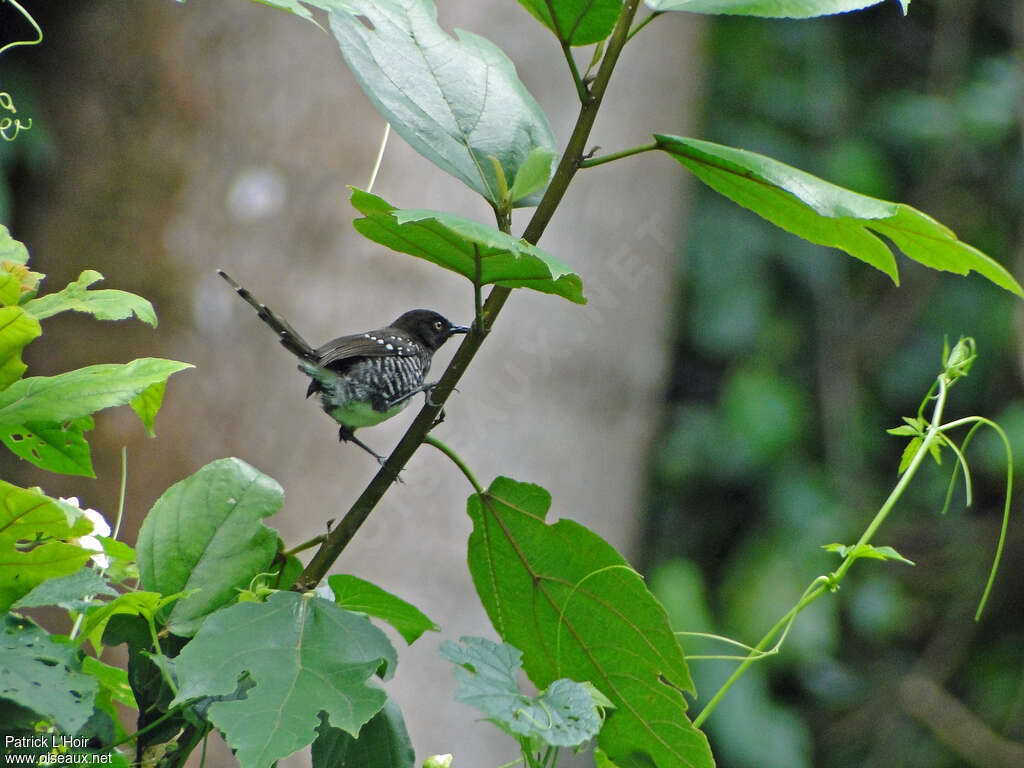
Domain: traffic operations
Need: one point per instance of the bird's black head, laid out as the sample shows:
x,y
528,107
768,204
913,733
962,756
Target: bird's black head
x,y
429,328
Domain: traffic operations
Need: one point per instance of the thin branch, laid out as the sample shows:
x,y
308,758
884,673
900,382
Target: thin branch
x,y
590,162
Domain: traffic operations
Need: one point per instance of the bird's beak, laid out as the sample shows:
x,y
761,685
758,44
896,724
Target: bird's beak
x,y
459,329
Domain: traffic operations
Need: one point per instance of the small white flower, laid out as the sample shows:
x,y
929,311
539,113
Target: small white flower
x,y
100,527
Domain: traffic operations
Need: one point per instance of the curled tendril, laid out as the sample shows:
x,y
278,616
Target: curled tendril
x,y
30,20
10,127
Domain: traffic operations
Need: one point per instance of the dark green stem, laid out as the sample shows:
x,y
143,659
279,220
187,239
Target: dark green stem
x,y
456,459
307,544
338,539
590,162
643,24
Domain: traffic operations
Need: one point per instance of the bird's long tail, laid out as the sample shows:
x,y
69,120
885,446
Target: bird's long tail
x,y
288,336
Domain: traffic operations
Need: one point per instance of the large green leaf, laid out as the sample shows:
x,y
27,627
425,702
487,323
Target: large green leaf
x,y
454,243
52,446
81,392
572,604
457,101
826,214
73,592
357,595
303,654
576,22
791,9
106,304
205,533
45,675
37,541
383,743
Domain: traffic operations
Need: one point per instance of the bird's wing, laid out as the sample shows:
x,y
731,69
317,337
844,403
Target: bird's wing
x,y
336,354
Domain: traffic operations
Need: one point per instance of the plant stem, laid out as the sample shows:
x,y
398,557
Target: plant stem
x,y
644,23
592,161
830,582
307,544
456,459
339,538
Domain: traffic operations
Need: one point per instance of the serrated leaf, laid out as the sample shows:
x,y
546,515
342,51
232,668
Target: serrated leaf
x,y
576,609
205,533
780,9
383,743
51,446
826,214
534,174
563,715
355,594
73,592
869,551
105,304
293,6
304,654
452,242
457,101
576,22
37,537
45,675
17,330
137,603
81,392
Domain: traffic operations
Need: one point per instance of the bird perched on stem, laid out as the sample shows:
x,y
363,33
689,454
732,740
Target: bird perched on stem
x,y
365,378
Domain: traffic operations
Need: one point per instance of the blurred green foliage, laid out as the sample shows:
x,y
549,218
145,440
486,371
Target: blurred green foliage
x,y
792,360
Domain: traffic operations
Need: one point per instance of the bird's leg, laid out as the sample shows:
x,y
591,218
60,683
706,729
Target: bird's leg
x,y
348,435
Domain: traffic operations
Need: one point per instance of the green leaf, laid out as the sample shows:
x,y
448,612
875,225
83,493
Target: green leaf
x,y
452,242
383,743
103,305
292,6
457,101
908,454
304,654
904,431
564,715
787,9
206,533
147,405
81,392
45,675
576,22
73,592
534,174
827,214
17,330
36,541
54,447
112,680
868,551
576,609
355,594
137,603
10,249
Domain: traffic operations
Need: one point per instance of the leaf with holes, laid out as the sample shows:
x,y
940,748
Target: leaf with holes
x,y
454,243
37,541
300,655
55,447
576,609
827,214
457,101
44,674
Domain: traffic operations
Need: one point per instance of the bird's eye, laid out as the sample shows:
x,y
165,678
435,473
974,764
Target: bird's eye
x,y
438,325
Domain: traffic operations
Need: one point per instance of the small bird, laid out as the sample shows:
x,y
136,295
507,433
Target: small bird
x,y
365,378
